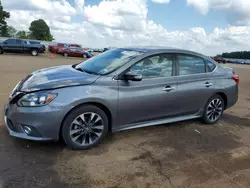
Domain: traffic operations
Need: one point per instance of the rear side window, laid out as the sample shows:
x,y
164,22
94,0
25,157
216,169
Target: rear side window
x,y
18,41
209,66
189,65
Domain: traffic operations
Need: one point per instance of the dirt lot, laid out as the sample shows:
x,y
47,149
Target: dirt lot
x,y
173,155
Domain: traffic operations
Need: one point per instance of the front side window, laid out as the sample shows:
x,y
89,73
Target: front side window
x,y
155,66
108,61
189,65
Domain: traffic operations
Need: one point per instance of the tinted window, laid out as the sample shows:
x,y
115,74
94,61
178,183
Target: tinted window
x,y
154,66
190,65
18,41
108,61
61,44
72,48
11,41
210,66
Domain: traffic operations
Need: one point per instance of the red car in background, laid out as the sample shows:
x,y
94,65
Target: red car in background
x,y
57,48
75,52
220,59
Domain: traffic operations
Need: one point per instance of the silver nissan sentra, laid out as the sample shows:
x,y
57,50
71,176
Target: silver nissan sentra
x,y
120,89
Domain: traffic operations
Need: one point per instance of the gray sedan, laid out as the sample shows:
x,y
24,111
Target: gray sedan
x,y
120,89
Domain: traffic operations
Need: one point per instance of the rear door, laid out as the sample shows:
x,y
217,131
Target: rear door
x,y
18,45
195,83
72,51
152,98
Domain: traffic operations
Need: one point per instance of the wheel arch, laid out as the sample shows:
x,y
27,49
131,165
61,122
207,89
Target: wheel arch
x,y
224,97
104,108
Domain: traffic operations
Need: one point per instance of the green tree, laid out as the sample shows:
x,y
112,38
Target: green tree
x,y
11,31
39,30
3,24
22,35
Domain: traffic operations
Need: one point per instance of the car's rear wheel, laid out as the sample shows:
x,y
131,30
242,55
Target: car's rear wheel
x,y
85,127
1,51
84,56
65,55
213,110
34,52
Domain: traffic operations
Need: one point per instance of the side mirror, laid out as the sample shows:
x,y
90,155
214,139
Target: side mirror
x,y
133,76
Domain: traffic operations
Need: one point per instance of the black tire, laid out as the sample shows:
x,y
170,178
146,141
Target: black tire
x,y
65,55
1,51
73,115
207,109
84,56
34,52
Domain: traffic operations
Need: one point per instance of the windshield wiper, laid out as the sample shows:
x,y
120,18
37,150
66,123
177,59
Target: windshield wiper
x,y
87,71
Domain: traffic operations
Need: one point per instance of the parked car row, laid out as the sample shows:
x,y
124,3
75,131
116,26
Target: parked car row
x,y
13,45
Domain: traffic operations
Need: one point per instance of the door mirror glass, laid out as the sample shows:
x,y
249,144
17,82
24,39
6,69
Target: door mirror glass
x,y
133,76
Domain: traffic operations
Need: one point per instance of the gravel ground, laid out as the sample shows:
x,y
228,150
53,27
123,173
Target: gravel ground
x,y
187,154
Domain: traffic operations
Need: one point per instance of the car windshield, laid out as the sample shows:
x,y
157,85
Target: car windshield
x,y
108,61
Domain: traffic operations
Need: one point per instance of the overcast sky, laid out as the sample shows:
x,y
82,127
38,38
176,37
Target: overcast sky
x,y
206,26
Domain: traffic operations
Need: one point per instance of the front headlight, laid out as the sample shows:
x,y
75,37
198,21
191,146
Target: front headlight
x,y
36,99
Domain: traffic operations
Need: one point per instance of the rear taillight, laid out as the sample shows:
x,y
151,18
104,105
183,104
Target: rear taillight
x,y
236,78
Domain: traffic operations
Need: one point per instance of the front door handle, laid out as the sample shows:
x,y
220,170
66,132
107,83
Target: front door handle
x,y
169,88
208,84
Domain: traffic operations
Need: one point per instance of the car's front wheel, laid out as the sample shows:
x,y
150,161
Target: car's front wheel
x,y
84,56
1,51
85,127
213,109
65,55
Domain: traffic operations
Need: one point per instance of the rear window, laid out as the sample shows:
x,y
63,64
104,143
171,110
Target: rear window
x,y
210,66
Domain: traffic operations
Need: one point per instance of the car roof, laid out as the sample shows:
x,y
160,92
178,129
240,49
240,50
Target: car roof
x,y
147,49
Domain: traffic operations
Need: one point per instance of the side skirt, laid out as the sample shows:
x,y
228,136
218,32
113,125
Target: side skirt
x,y
155,122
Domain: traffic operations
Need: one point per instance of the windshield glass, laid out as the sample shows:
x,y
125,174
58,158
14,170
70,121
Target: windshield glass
x,y
108,61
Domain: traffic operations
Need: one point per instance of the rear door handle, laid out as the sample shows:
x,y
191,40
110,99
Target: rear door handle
x,y
208,84
169,88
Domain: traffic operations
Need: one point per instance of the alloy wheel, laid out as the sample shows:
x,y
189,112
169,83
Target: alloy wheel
x,y
34,52
214,109
86,129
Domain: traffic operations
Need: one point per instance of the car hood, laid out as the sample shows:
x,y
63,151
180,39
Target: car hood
x,y
56,77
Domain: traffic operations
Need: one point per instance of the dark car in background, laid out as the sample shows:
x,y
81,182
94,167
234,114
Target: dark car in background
x,y
75,52
13,45
220,60
38,42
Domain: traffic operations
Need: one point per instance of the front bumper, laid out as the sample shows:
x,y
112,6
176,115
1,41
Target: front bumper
x,y
43,121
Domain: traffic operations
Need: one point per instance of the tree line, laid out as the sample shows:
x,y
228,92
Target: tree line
x,y
38,29
236,55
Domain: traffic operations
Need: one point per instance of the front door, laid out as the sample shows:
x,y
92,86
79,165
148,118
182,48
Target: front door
x,y
152,98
